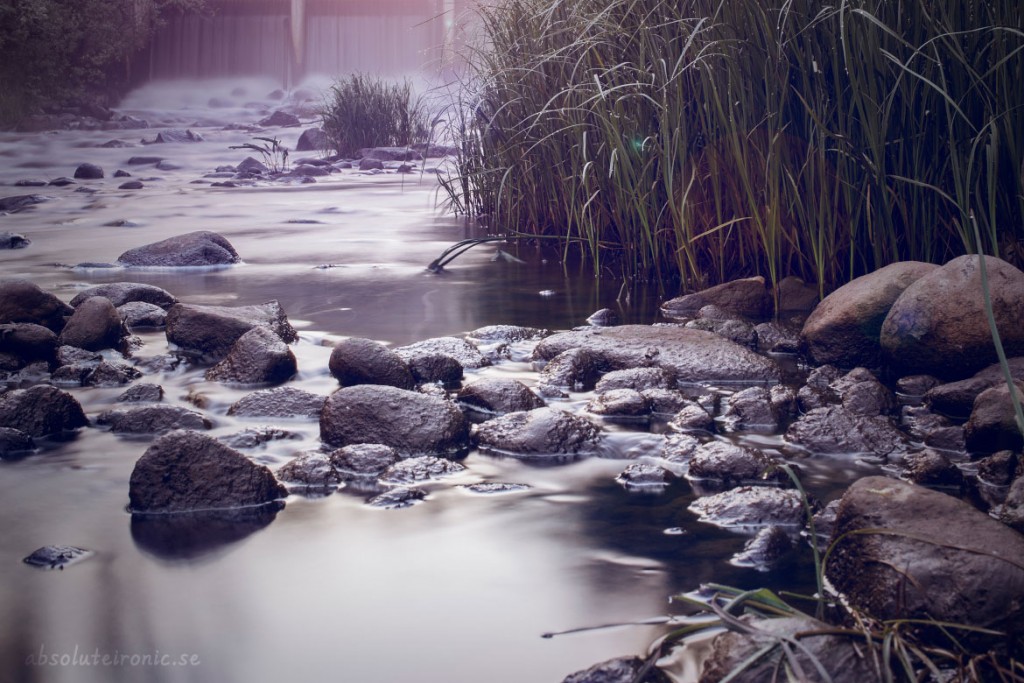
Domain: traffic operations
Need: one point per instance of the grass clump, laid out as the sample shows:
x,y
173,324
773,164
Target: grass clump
x,y
363,111
704,141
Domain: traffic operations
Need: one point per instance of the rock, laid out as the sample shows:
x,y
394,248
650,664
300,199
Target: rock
x,y
363,461
620,670
95,325
750,410
283,402
364,361
916,386
730,465
88,172
933,557
665,402
636,378
538,433
14,442
311,170
310,471
312,140
993,423
772,337
280,118
390,154
252,166
751,506
200,248
131,185
371,165
61,182
1011,512
795,295
938,325
436,368
508,333
20,202
498,396
467,354
13,240
999,468
764,550
844,329
490,488
644,476
747,298
862,394
691,355
121,173
41,410
834,430
209,332
258,357
930,468
570,370
144,160
620,403
184,471
57,556
934,430
254,437
138,314
397,498
736,331
142,393
842,657
110,375
605,317
412,470
121,293
28,342
154,419
692,417
176,135
409,422
22,301
956,399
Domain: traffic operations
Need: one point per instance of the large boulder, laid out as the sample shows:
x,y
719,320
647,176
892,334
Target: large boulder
x,y
185,471
902,551
748,298
538,433
938,325
258,357
957,398
121,293
409,422
95,325
209,332
691,355
28,342
993,423
200,248
88,172
844,328
364,361
41,410
22,301
312,140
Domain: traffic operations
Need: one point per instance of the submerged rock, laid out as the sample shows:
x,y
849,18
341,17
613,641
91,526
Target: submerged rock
x,y
200,248
184,471
57,556
191,535
41,410
20,202
538,433
286,402
13,240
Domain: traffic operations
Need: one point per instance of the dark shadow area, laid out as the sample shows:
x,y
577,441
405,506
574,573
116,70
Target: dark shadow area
x,y
191,535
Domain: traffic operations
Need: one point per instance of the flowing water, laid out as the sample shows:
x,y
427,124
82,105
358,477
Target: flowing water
x,y
460,588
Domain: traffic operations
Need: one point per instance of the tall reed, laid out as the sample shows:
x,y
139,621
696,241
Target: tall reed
x,y
706,140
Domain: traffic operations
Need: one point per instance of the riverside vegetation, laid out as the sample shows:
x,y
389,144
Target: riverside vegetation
x,y
702,141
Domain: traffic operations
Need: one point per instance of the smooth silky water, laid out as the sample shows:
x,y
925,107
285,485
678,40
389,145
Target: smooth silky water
x,y
460,588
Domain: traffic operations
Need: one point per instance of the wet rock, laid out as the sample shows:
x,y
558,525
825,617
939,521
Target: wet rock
x,y
41,410
28,342
13,240
508,333
1011,512
258,357
137,314
95,325
934,557
736,331
252,166
916,386
957,398
121,293
209,332
418,469
14,442
20,202
571,370
397,498
436,368
185,470
409,422
691,355
390,154
751,506
795,295
131,185
107,374
144,160
312,140
176,135
605,317
461,350
620,670
679,448
63,181
844,329
254,437
750,410
771,337
764,550
636,378
73,355
665,402
154,419
862,394
620,403
88,172
142,393
840,656
993,423
936,431
363,361
538,433
835,430
490,488
643,476
930,468
729,464
363,461
57,556
817,392
283,402
938,325
999,468
22,301
747,298
165,165
692,417
280,118
310,471
371,165
498,396
199,248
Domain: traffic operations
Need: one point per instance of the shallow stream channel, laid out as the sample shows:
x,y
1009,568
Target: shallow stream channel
x,y
515,584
